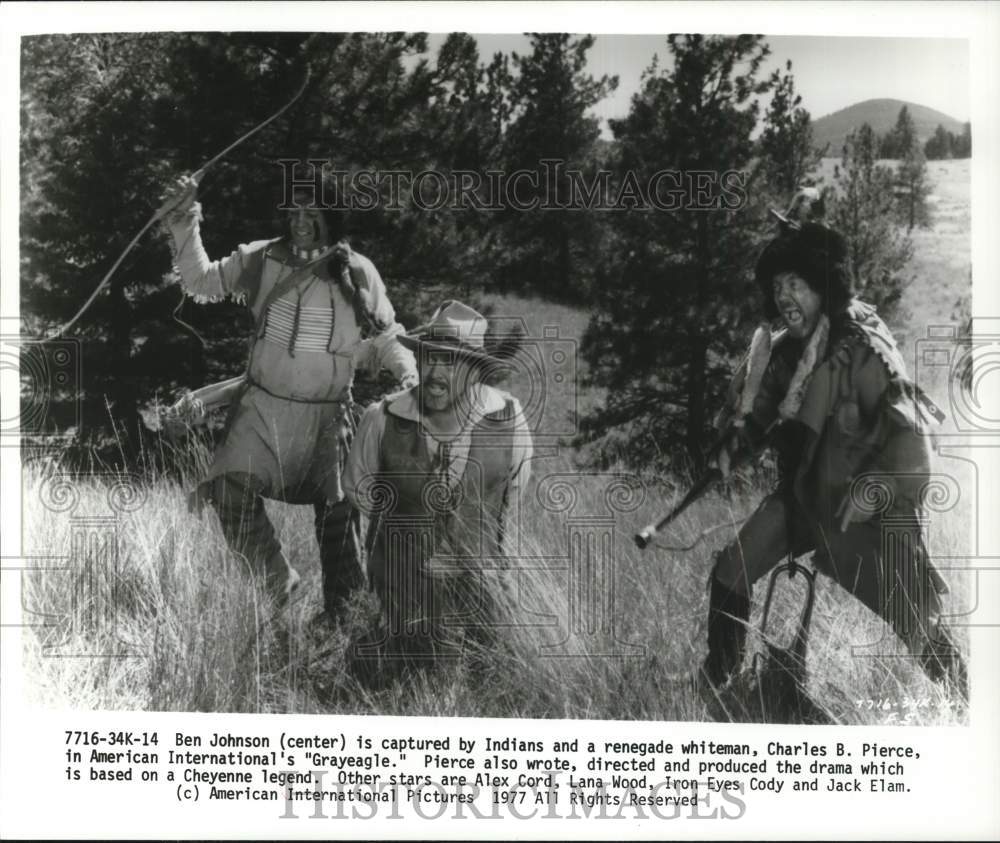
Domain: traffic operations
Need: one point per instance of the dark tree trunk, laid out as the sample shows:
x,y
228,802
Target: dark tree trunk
x,y
564,264
123,393
698,354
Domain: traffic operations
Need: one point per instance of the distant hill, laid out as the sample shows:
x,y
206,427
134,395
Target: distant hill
x,y
881,116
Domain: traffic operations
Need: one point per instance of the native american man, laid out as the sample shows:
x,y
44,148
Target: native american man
x,y
321,312
833,389
437,468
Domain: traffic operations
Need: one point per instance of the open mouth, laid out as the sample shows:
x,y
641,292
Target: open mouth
x,y
436,389
792,316
306,231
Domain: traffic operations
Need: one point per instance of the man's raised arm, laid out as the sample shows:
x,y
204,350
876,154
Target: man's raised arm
x,y
201,277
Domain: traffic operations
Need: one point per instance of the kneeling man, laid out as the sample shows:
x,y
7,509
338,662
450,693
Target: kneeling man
x,y
437,468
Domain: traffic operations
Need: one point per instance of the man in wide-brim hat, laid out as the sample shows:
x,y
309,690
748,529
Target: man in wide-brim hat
x,y
832,388
438,468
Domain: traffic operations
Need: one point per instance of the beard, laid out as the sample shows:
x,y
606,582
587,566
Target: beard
x,y
436,395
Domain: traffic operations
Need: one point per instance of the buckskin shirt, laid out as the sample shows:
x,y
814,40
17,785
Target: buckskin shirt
x,y
308,346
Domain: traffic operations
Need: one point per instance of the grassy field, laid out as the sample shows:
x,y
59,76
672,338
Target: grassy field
x,y
202,637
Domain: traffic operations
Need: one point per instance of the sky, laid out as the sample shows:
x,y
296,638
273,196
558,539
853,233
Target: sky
x,y
830,72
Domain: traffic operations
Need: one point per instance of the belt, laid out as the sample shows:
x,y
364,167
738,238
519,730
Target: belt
x,y
345,401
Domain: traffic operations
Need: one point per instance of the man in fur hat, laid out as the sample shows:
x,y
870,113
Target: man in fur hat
x,y
437,468
832,389
321,312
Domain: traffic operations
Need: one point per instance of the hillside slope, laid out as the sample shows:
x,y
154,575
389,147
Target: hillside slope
x,y
881,115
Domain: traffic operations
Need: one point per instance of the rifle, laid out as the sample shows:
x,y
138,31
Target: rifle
x,y
756,363
702,485
706,480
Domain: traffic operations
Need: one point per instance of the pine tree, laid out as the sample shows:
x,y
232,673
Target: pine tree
x,y
786,144
89,179
109,120
901,138
550,246
939,145
467,116
913,188
675,294
864,212
962,144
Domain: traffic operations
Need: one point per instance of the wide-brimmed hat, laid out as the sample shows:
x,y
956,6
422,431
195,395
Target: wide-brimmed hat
x,y
455,328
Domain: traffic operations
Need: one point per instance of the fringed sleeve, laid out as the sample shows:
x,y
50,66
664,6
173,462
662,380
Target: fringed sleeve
x,y
203,279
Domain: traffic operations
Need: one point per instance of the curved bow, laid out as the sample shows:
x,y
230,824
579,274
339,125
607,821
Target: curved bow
x,y
161,212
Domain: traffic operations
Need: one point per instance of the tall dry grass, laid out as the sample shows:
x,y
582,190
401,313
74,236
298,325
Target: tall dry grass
x,y
202,637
